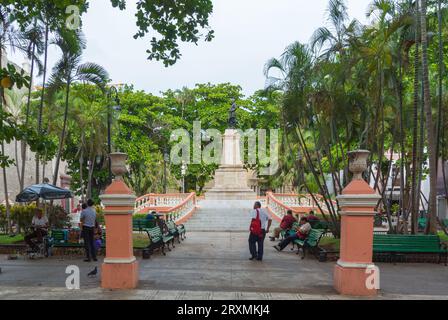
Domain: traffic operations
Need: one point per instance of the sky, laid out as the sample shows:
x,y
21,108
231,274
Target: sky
x,y
248,33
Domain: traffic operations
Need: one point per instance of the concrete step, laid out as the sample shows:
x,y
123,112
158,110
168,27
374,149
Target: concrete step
x,y
221,216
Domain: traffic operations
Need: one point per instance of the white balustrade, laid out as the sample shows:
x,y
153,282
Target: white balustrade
x,y
173,206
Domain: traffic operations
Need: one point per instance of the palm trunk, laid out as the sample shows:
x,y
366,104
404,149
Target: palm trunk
x,y
440,90
41,106
89,181
402,146
62,138
431,139
414,195
81,178
5,180
28,103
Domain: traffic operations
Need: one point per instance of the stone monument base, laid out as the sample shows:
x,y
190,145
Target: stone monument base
x,y
231,184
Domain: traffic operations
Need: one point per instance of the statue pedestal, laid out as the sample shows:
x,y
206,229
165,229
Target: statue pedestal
x,y
231,177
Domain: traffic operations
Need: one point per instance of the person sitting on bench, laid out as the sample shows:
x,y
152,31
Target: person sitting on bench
x,y
285,225
39,224
312,218
303,230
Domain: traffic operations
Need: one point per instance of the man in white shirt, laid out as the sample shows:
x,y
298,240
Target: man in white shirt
x,y
255,240
302,233
39,224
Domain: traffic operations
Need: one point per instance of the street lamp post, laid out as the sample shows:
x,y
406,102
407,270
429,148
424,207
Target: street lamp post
x,y
111,92
183,172
166,159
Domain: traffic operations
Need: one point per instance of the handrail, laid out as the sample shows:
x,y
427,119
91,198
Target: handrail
x,y
182,211
171,211
279,208
158,200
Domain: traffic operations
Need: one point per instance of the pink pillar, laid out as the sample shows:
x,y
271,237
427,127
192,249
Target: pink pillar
x,y
120,267
358,201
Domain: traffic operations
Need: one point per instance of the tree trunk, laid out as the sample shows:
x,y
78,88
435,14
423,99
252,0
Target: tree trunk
x,y
62,138
440,90
28,103
41,105
81,178
5,180
431,139
414,195
89,181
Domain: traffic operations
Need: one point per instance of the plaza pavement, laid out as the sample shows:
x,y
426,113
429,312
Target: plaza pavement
x,y
215,266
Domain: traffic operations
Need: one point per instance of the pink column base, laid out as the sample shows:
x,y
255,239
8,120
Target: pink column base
x,y
352,282
119,275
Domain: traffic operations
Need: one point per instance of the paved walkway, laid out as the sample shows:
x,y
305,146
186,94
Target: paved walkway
x,y
215,266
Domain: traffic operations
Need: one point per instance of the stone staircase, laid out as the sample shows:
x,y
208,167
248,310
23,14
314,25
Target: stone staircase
x,y
221,216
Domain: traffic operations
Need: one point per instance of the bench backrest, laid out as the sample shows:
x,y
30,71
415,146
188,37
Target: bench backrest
x,y
58,236
406,241
155,234
171,226
141,224
314,237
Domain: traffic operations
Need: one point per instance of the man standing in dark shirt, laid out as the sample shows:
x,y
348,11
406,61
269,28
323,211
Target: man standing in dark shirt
x,y
88,219
285,225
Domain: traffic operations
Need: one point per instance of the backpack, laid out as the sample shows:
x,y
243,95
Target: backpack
x,y
255,226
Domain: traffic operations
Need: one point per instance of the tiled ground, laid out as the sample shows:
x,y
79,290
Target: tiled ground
x,y
216,266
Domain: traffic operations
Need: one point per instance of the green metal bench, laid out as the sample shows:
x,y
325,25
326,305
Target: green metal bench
x,y
398,245
178,232
310,243
59,239
158,240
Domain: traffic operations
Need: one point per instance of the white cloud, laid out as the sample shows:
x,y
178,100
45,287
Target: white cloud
x,y
248,33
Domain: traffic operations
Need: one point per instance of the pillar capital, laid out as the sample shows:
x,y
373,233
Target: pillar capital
x,y
358,200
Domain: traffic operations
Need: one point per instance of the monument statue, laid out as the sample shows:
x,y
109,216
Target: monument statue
x,y
232,116
230,181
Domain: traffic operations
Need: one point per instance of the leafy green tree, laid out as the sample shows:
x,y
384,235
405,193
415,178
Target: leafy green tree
x,y
173,21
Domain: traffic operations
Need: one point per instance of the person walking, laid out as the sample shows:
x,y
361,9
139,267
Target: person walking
x,y
88,219
261,222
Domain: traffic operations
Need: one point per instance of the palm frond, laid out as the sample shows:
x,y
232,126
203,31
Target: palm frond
x,y
93,73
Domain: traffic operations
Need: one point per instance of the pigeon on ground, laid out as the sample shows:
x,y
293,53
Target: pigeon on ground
x,y
93,272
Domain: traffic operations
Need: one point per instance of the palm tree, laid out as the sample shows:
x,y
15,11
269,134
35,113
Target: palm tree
x,y
13,39
430,132
34,49
67,71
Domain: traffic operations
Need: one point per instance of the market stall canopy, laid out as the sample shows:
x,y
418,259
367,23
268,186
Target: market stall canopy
x,y
44,191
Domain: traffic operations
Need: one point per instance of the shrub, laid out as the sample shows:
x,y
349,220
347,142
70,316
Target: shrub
x,y
139,216
3,221
57,216
100,215
21,216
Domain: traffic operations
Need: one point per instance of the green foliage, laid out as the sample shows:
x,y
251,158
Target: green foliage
x,y
7,239
174,21
100,215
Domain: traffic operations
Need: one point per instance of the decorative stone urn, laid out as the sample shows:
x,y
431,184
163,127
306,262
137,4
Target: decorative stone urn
x,y
358,163
118,164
